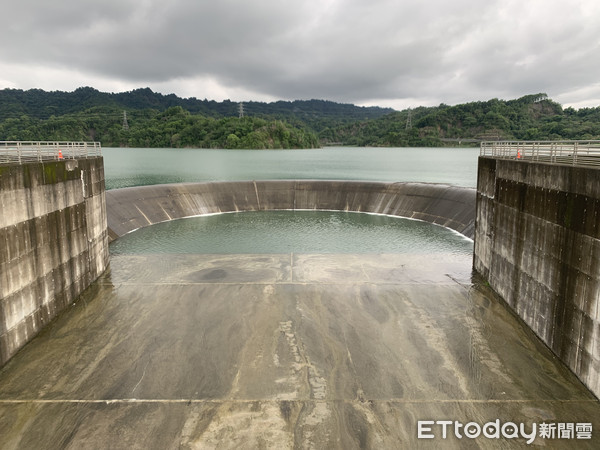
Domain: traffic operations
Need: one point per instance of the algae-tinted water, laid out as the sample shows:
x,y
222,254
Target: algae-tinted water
x,y
126,167
293,231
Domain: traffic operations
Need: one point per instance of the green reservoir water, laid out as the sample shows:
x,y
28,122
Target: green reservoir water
x,y
125,167
293,232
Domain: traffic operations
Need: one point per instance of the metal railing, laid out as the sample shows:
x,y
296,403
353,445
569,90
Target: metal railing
x,y
20,152
572,153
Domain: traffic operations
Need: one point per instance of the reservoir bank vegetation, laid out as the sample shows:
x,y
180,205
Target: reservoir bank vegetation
x,y
143,118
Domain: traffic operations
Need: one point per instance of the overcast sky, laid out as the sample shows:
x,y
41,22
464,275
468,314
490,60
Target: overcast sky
x,y
398,53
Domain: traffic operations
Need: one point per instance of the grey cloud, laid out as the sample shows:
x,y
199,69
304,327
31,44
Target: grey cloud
x,y
345,50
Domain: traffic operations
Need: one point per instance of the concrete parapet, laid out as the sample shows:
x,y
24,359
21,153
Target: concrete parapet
x,y
537,242
131,208
53,242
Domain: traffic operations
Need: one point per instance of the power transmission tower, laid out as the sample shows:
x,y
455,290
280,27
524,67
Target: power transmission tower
x,y
409,120
125,124
241,109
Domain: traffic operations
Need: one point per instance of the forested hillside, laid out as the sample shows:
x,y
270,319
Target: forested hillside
x,y
174,127
160,120
157,120
533,117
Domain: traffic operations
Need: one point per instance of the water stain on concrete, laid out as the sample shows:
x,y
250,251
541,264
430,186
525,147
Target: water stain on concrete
x,y
214,274
283,351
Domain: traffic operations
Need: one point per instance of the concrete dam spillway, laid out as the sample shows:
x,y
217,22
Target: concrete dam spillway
x,y
133,208
284,350
572,332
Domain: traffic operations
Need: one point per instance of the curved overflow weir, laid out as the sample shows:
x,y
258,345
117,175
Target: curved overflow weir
x,y
131,208
287,350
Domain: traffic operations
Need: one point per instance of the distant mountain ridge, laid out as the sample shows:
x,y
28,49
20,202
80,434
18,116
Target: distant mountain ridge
x,y
143,118
42,104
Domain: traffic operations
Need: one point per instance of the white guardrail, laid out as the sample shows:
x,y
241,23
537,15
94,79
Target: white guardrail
x,y
23,152
572,153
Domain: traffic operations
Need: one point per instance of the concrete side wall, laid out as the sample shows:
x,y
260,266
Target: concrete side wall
x,y
537,242
53,242
132,208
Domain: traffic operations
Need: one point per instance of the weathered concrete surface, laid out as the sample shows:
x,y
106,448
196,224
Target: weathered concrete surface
x,y
284,351
131,208
537,242
53,242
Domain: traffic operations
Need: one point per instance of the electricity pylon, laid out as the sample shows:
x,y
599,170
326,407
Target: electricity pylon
x,y
125,124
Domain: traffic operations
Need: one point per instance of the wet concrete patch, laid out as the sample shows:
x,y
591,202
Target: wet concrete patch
x,y
183,269
382,268
260,424
317,351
